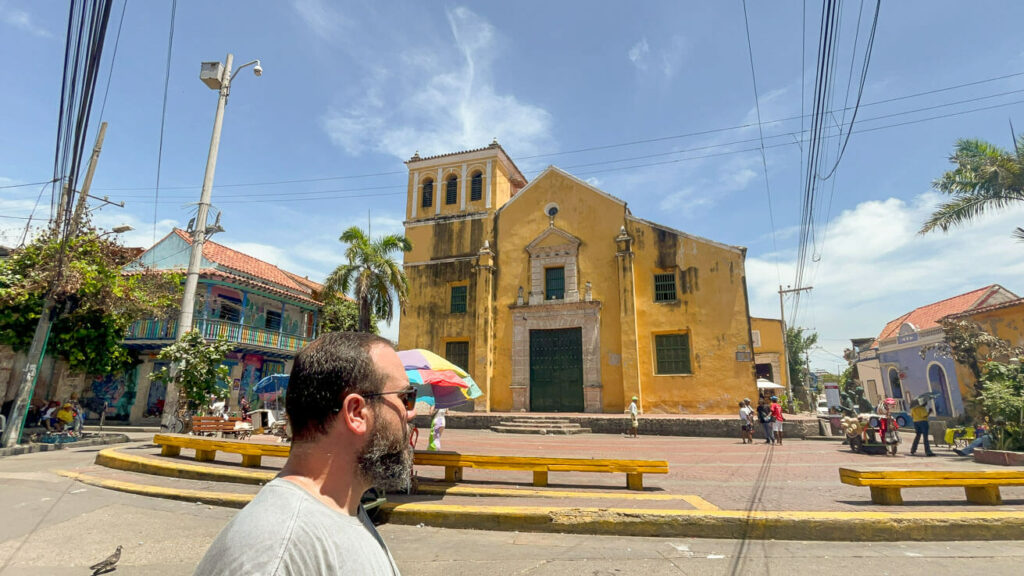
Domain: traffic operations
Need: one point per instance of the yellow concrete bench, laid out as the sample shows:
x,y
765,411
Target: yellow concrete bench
x,y
980,486
454,462
207,448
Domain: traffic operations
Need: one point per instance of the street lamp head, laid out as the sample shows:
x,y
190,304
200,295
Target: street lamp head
x,y
121,229
258,70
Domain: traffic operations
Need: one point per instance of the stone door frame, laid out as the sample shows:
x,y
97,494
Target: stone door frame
x,y
551,316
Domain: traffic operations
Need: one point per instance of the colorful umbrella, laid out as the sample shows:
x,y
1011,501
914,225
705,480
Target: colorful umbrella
x,y
438,382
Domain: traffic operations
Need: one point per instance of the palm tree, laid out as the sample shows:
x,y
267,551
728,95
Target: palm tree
x,y
373,277
986,177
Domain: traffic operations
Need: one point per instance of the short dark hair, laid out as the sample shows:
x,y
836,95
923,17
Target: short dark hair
x,y
324,373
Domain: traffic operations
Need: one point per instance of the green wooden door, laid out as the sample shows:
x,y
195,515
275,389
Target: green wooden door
x,y
556,370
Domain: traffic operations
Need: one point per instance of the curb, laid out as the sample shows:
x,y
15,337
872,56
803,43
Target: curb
x,y
699,523
819,526
113,458
33,448
226,499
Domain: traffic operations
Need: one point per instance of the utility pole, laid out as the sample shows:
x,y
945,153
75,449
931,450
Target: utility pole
x,y
785,338
37,350
217,77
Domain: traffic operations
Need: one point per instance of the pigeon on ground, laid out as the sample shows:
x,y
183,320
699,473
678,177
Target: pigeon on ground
x,y
106,565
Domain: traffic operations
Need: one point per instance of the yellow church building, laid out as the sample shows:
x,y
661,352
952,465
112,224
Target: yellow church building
x,y
556,298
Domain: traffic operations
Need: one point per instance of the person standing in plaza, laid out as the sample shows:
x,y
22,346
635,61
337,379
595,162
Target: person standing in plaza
x,y
634,422
764,417
777,419
436,428
350,406
746,426
920,413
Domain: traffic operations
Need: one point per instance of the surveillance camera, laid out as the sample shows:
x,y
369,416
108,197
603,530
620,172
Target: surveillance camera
x,y
258,70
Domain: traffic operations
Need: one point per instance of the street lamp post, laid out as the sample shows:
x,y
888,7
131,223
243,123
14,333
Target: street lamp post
x,y
217,77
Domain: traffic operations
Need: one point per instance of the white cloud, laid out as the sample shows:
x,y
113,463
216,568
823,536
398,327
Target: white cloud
x,y
685,199
593,181
875,267
673,56
638,53
21,20
439,100
325,21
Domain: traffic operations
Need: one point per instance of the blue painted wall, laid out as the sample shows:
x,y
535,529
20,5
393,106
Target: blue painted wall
x,y
915,380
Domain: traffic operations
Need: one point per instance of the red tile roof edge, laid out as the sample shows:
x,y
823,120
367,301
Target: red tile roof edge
x,y
988,308
892,327
234,278
209,252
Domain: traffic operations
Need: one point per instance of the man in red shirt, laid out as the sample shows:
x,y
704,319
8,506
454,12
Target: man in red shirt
x,y
777,419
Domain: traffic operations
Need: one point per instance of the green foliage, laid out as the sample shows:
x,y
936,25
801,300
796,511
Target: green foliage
x,y
342,315
372,276
797,346
95,301
986,178
199,368
1002,399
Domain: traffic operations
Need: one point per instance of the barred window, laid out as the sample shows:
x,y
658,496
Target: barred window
x,y
672,352
451,190
665,287
428,193
458,300
273,321
476,186
554,283
457,353
229,312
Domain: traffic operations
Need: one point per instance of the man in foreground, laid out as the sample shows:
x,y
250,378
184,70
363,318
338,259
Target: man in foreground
x,y
349,405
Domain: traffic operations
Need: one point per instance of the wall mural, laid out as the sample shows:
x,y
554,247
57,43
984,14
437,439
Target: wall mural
x,y
157,393
117,390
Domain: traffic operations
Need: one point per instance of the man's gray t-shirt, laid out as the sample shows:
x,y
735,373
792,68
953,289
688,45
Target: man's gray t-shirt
x,y
285,530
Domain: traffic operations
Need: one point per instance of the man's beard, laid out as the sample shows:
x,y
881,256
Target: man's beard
x,y
386,460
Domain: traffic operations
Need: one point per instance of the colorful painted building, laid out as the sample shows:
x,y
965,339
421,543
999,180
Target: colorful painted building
x,y
1004,320
268,313
557,298
769,350
905,373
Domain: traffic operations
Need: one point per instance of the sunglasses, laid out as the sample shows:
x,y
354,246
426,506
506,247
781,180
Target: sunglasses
x,y
407,396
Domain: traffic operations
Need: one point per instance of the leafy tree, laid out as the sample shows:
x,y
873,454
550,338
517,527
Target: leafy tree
x,y
1002,399
986,178
341,314
372,276
199,369
95,301
797,346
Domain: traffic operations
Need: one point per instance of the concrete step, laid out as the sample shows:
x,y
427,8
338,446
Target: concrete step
x,y
538,430
122,429
538,424
538,421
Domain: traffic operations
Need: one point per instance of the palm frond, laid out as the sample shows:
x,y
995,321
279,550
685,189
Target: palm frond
x,y
1018,233
963,208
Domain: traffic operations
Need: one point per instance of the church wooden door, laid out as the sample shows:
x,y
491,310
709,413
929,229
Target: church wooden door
x,y
556,370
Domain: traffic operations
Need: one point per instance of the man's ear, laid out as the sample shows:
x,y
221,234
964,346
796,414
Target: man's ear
x,y
355,414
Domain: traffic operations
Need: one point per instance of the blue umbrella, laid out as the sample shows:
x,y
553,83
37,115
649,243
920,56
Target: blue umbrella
x,y
272,383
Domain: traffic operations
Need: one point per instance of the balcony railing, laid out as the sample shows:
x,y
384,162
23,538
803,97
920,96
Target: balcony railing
x,y
212,329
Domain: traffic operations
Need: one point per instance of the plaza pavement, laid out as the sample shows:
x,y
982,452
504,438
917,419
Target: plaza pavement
x,y
717,487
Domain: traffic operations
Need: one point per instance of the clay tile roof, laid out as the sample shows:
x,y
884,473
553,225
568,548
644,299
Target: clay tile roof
x,y
928,316
988,308
249,266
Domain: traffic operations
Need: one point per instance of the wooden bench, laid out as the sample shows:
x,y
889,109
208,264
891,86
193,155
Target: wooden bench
x,y
207,448
980,486
454,462
203,425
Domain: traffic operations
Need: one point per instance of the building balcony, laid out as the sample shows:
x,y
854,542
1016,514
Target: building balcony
x,y
153,333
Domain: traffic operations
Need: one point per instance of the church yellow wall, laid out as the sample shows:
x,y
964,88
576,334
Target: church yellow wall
x,y
711,307
594,219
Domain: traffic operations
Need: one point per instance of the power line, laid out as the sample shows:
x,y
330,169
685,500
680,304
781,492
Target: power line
x,y
113,59
163,118
591,148
44,182
760,133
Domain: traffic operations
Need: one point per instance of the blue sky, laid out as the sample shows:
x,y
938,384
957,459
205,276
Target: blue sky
x,y
351,89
